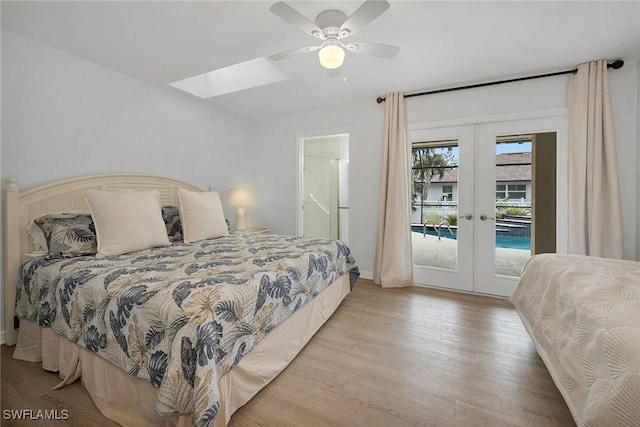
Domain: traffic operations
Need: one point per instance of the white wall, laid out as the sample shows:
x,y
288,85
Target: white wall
x,y
624,91
273,148
63,116
275,166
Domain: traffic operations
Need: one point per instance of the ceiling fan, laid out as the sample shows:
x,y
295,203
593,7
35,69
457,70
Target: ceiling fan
x,y
332,27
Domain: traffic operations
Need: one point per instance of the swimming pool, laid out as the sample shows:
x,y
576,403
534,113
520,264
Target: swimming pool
x,y
503,240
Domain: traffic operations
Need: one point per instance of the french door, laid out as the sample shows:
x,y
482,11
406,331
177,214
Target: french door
x,y
474,201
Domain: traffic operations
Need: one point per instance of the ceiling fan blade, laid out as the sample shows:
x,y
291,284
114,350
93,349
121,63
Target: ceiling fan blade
x,y
366,13
290,53
296,19
372,49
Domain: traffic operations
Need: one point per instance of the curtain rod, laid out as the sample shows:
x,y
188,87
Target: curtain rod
x,y
618,63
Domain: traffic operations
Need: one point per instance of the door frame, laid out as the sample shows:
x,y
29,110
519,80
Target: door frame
x,y
558,114
300,139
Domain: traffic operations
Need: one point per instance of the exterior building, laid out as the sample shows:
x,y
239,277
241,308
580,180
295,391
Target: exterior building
x,y
513,180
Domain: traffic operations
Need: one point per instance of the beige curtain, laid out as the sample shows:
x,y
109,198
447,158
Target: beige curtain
x,y
595,213
394,260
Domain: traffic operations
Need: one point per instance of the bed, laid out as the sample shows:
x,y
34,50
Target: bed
x,y
583,314
180,334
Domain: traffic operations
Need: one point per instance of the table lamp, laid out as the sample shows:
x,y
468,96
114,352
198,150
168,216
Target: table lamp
x,y
240,197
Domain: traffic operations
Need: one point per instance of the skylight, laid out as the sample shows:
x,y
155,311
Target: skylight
x,y
234,78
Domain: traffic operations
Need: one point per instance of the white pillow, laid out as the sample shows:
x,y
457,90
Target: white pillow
x,y
126,221
201,216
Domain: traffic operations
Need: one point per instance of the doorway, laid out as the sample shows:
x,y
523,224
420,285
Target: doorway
x,y
323,187
484,199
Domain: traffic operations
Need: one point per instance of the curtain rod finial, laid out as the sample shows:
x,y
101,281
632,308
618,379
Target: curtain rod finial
x,y
380,100
618,63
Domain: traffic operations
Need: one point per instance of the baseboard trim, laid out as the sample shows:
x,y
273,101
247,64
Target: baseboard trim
x,y
366,275
2,341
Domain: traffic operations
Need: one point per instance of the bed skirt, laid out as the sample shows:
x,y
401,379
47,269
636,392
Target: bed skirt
x,y
131,401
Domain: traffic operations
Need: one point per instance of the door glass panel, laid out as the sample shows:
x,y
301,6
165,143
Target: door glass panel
x,y
320,197
513,219
434,204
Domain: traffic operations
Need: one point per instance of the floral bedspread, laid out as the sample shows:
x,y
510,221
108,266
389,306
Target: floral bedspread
x,y
207,304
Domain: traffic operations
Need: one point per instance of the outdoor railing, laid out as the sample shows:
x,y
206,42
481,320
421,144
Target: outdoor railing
x,y
437,228
436,210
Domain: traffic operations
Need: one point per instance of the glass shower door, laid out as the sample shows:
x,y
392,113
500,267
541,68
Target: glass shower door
x,y
320,203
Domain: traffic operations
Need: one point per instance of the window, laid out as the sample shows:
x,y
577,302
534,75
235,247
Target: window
x,y
433,163
447,192
511,191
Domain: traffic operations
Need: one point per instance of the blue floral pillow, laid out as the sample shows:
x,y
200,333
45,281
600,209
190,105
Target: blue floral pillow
x,y
68,233
171,216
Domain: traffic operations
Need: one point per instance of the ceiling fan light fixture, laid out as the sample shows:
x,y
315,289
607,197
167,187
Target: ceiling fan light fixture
x,y
331,56
332,27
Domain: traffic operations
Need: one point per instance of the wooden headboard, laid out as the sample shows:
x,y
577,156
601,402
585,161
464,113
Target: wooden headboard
x,y
61,196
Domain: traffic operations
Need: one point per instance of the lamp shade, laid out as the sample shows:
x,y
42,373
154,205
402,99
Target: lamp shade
x,y
240,196
331,56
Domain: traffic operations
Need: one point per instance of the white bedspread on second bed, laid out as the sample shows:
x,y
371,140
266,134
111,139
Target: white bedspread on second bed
x,y
584,315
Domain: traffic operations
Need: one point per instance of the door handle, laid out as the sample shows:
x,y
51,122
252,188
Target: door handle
x,y
483,217
467,216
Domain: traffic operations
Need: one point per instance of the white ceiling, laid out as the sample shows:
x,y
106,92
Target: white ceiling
x,y
442,43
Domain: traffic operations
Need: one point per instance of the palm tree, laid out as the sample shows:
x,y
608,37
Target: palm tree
x,y
427,163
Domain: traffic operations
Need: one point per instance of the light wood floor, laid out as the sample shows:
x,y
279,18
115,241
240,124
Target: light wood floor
x,y
401,357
